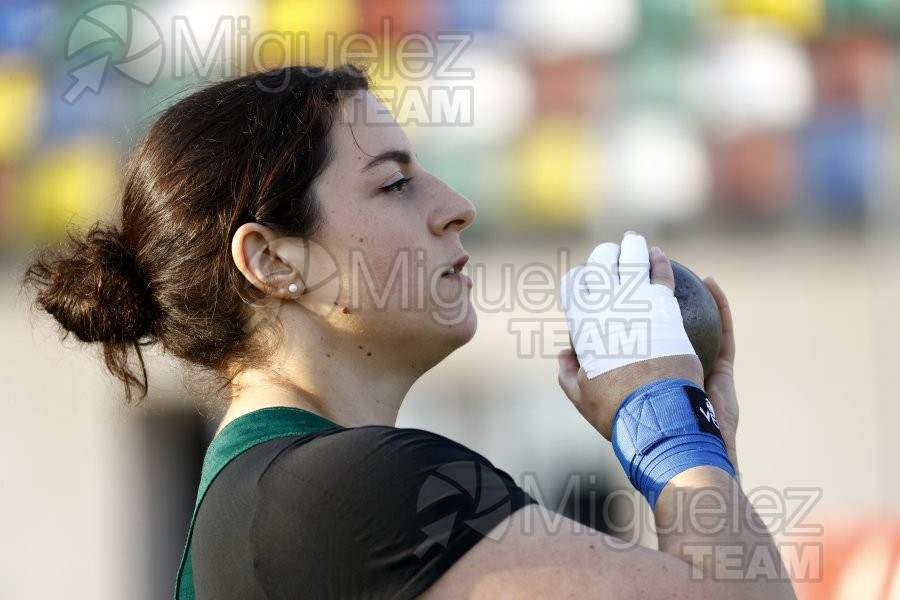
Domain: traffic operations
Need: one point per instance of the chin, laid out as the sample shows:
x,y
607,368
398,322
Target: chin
x,y
461,335
448,340
443,338
460,327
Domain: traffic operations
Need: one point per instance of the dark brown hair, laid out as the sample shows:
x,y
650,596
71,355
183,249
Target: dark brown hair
x,y
243,150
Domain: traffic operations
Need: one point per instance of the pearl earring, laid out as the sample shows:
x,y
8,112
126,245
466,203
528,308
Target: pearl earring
x,y
292,288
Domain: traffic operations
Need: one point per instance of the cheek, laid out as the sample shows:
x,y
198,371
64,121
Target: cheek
x,y
373,277
396,279
384,259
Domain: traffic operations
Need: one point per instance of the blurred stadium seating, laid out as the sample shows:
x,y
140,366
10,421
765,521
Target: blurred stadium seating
x,y
758,140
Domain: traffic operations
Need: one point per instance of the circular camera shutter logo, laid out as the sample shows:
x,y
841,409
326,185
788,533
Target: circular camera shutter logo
x,y
321,276
480,499
114,34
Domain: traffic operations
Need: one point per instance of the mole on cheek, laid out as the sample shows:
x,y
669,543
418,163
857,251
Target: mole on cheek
x,y
368,354
361,240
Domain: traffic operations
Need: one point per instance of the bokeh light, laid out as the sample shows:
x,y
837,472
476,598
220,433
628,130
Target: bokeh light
x,y
752,78
584,26
658,167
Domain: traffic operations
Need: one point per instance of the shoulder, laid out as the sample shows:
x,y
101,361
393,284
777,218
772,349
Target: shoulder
x,y
375,444
399,504
378,461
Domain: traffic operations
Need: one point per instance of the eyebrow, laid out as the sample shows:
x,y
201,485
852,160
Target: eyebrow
x,y
398,156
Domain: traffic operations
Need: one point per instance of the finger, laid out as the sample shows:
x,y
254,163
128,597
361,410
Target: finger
x,y
568,374
661,269
727,348
603,266
566,287
634,256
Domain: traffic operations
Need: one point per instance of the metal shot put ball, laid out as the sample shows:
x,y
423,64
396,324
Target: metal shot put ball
x,y
700,314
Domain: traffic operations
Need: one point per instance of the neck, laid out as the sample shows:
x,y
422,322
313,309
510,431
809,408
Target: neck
x,y
347,398
341,382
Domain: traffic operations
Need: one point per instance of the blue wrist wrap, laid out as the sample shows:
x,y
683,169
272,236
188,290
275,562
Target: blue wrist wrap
x,y
664,428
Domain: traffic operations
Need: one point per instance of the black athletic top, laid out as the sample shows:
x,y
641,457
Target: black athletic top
x,y
365,512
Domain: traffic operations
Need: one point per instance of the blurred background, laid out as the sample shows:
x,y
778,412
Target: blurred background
x,y
754,140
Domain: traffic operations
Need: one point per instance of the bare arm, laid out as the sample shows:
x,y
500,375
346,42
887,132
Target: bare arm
x,y
570,560
709,536
708,532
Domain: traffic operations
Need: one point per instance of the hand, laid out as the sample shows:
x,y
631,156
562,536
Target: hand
x,y
608,380
720,381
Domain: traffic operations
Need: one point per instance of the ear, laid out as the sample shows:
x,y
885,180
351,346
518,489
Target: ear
x,y
263,256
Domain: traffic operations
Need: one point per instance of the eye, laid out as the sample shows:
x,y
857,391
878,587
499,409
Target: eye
x,y
396,186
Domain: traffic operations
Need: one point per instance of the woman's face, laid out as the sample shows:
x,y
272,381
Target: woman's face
x,y
393,230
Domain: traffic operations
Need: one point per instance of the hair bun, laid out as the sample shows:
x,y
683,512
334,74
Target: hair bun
x,y
96,289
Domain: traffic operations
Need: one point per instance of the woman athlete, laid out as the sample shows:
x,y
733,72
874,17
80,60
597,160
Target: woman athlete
x,y
241,200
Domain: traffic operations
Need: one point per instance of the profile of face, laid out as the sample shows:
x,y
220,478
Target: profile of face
x,y
375,274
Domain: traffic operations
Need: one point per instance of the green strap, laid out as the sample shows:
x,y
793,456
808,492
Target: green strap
x,y
238,436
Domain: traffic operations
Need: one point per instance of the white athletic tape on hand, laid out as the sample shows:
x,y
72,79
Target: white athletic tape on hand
x,y
616,317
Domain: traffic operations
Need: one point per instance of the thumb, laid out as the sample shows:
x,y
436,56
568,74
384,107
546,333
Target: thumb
x,y
661,269
568,374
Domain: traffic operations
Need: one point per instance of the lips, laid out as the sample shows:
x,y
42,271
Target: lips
x,y
456,266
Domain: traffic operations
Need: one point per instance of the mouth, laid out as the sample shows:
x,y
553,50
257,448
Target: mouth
x,y
457,266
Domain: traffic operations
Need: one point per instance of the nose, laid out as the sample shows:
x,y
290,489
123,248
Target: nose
x,y
454,212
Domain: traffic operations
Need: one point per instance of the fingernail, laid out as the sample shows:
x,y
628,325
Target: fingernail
x,y
655,250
